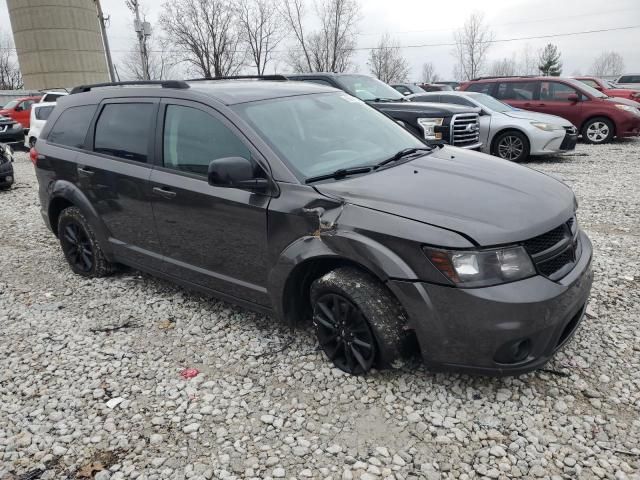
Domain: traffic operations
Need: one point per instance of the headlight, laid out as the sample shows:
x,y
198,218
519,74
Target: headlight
x,y
547,127
429,127
483,267
628,108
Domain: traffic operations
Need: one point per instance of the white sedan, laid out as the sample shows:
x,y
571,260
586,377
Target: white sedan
x,y
509,132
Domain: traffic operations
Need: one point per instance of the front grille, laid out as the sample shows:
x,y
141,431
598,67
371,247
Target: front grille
x,y
554,253
465,130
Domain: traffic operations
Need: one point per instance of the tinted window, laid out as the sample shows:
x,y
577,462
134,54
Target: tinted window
x,y
556,91
123,130
629,79
71,127
402,89
480,87
52,97
192,138
42,113
516,90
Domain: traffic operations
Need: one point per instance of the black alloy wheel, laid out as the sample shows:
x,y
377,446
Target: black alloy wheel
x,y
344,334
77,247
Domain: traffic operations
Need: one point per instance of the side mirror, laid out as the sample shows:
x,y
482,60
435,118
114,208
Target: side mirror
x,y
573,97
235,172
18,108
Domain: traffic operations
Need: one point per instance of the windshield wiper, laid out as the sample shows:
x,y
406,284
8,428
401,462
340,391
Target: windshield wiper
x,y
402,154
340,173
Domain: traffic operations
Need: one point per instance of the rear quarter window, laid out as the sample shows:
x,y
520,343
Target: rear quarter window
x,y
42,113
71,126
629,79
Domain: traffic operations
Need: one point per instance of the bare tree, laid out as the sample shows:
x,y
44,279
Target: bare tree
x,y
472,43
206,34
159,63
10,75
608,64
429,74
505,67
386,61
528,64
330,47
262,29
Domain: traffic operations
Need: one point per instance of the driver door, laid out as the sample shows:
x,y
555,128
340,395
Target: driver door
x,y
211,237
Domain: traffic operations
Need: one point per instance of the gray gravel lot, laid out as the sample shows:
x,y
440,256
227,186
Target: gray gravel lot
x,y
81,397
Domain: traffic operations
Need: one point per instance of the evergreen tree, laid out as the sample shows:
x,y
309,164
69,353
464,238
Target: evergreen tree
x,y
549,63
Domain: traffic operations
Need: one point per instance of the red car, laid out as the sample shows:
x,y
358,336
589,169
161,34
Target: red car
x,y
598,117
20,110
604,87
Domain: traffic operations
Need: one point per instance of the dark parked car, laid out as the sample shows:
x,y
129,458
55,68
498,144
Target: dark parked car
x,y
6,167
10,130
437,123
301,201
435,87
598,117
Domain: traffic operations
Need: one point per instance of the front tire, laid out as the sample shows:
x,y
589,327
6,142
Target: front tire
x,y
598,130
358,322
79,245
511,145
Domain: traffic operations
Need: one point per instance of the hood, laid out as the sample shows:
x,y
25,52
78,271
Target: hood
x,y
537,117
486,199
623,101
418,108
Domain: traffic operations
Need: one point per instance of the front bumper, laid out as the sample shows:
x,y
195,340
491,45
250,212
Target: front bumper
x,y
6,175
629,128
544,143
470,330
12,135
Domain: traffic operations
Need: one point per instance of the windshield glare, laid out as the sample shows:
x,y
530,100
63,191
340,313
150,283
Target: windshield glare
x,y
318,134
491,103
10,105
369,88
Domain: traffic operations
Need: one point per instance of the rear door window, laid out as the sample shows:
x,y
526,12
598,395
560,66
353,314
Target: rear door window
x,y
629,79
517,91
123,130
71,126
480,87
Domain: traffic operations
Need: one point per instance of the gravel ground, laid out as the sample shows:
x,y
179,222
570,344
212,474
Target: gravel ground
x,y
91,385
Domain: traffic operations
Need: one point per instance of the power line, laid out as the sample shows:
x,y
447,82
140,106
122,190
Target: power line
x,y
421,45
521,22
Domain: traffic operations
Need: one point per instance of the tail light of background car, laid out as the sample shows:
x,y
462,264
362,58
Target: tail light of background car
x,y
33,155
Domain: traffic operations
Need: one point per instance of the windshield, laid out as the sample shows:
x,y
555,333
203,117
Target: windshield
x,y
318,134
586,88
491,103
368,88
10,105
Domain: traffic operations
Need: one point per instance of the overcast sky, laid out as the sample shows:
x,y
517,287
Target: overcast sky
x,y
418,22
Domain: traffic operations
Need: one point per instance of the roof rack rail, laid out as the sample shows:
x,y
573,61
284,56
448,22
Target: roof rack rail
x,y
275,77
163,83
53,88
504,76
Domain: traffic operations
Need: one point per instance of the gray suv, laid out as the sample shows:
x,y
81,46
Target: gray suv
x,y
303,202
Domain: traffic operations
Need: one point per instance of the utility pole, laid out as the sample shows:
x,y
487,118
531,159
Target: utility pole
x,y
143,30
105,40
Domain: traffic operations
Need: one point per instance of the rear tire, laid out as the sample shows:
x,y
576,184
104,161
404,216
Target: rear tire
x,y
597,130
358,322
80,246
511,145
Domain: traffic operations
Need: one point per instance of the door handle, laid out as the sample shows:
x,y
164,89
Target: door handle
x,y
85,171
163,192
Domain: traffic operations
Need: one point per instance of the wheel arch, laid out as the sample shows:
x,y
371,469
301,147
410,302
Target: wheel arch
x,y
502,130
311,257
65,194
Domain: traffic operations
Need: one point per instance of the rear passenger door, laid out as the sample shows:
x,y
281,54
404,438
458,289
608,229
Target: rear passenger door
x,y
211,236
114,175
